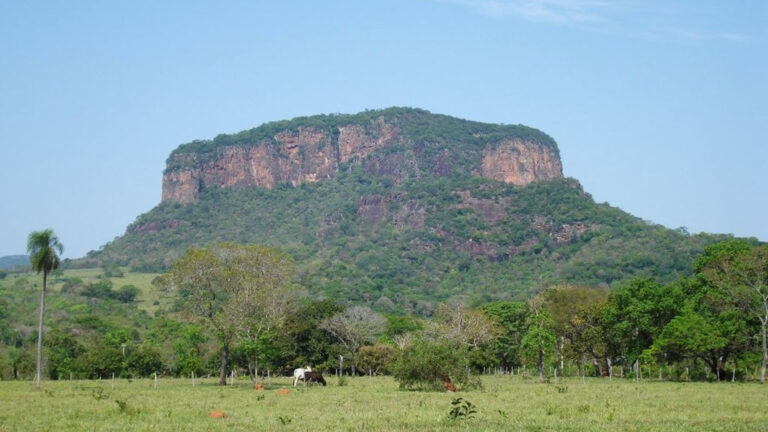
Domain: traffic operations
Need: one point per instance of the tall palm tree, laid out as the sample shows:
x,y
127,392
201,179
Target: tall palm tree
x,y
42,247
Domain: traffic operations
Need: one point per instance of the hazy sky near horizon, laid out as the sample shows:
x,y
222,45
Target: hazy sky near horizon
x,y
658,107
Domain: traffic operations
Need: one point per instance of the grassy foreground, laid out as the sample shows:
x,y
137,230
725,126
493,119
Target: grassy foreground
x,y
506,403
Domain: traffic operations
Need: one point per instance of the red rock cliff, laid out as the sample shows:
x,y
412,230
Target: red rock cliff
x,y
310,154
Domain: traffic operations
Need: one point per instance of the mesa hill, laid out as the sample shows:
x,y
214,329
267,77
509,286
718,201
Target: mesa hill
x,y
399,208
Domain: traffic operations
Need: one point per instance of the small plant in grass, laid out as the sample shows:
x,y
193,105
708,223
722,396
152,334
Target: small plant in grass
x,y
285,420
124,408
462,409
562,389
98,393
342,381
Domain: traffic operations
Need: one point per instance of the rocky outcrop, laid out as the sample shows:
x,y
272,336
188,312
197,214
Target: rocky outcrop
x,y
520,162
310,153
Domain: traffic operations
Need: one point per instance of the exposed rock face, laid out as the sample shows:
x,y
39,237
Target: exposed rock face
x,y
519,162
303,155
314,153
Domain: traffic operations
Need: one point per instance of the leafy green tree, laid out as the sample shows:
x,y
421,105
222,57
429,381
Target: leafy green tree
x,y
20,360
376,358
42,247
741,271
63,352
224,287
144,360
511,317
574,312
538,343
426,364
586,333
302,342
689,335
635,314
100,361
187,349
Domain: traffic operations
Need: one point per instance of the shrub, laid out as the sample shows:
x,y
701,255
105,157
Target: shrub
x,y
126,293
375,358
427,364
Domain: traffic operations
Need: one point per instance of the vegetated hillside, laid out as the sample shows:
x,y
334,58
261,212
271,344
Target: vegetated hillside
x,y
399,208
10,262
364,239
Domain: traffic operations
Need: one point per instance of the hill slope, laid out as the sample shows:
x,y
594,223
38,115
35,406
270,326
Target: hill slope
x,y
10,262
405,222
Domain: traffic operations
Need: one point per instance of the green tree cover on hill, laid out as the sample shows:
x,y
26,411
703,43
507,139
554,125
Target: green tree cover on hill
x,y
434,242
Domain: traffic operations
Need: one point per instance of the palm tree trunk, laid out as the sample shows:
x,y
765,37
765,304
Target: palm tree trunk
x,y
39,375
765,353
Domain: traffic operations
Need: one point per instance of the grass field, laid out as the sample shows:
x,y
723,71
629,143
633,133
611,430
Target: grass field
x,y
149,299
506,403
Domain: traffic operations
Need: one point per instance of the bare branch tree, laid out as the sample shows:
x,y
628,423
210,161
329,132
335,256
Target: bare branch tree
x,y
354,327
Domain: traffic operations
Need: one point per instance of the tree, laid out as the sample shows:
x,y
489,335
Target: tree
x,y
427,364
741,271
373,358
354,327
227,288
42,247
689,335
511,318
464,328
302,342
575,312
635,314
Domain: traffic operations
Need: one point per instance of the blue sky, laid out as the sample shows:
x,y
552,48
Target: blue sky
x,y
659,107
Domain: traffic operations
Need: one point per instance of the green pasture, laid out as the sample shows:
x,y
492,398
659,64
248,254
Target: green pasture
x,y
149,299
364,404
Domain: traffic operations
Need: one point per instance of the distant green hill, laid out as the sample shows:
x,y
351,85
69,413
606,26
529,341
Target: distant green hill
x,y
424,217
10,262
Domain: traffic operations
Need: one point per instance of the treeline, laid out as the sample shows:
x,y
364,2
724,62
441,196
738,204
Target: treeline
x,y
707,326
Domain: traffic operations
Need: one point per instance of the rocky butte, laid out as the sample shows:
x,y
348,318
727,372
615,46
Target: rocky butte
x,y
399,206
399,143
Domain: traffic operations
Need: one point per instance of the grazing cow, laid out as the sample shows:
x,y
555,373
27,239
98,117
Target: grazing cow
x,y
316,377
298,374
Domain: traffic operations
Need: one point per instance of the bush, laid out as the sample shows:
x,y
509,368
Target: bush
x,y
375,358
126,293
144,361
427,364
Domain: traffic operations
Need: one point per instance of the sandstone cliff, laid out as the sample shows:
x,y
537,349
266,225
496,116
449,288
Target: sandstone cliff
x,y
398,143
